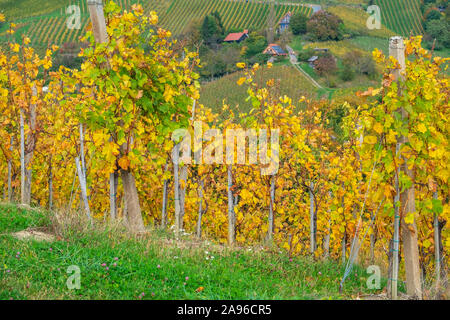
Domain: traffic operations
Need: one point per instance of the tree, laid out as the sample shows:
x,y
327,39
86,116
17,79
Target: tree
x,y
325,26
255,44
298,23
359,62
193,34
212,29
439,30
434,14
325,64
285,38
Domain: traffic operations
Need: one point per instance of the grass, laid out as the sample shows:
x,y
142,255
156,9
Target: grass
x,y
154,265
355,20
369,44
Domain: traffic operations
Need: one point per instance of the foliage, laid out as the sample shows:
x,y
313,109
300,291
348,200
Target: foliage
x,y
133,91
325,26
439,30
360,63
424,123
298,23
212,29
254,44
347,74
325,64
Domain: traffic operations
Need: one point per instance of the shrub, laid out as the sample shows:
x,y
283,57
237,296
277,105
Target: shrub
x,y
346,74
298,23
326,64
325,26
304,55
359,62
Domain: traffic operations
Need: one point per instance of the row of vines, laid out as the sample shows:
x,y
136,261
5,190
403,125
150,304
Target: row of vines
x,y
337,164
402,16
175,16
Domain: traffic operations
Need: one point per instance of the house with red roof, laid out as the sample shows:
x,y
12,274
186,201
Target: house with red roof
x,y
237,36
274,50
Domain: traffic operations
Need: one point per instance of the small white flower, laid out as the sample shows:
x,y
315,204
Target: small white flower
x,y
207,258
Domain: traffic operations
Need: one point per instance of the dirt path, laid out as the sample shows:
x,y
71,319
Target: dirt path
x,y
295,64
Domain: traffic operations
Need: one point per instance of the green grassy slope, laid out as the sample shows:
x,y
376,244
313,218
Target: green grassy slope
x,y
115,266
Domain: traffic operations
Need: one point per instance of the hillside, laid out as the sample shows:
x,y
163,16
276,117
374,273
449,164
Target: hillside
x,y
289,82
49,26
402,16
47,22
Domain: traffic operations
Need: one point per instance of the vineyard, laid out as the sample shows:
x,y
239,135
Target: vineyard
x,y
401,16
174,15
289,81
339,179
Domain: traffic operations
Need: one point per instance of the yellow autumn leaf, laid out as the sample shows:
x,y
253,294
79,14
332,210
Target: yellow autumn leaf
x,y
124,162
15,47
378,128
422,128
370,139
409,218
241,81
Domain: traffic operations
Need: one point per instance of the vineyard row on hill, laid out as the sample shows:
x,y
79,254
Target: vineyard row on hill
x,y
402,16
174,16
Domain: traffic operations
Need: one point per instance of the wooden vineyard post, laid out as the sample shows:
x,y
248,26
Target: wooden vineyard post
x,y
98,20
164,199
50,184
183,177
83,163
231,220
10,172
134,214
344,248
176,188
395,245
407,197
83,188
437,253
27,154
200,210
99,29
271,211
112,197
312,218
22,159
